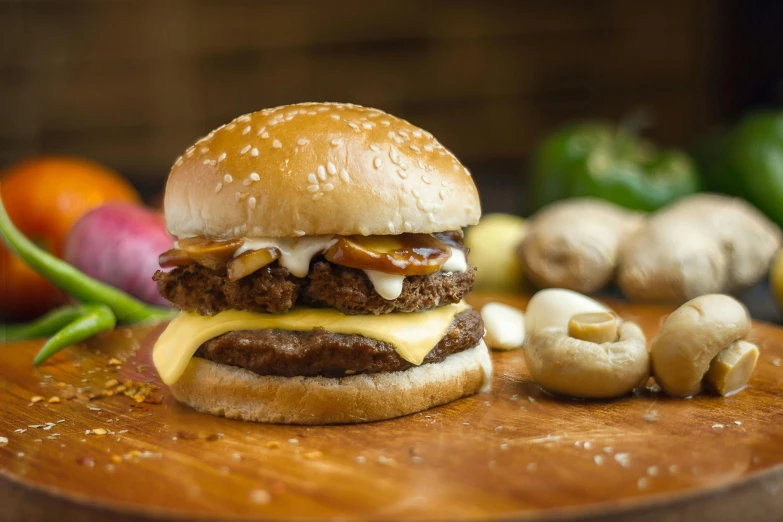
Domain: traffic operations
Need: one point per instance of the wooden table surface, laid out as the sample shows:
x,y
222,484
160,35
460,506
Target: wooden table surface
x,y
513,453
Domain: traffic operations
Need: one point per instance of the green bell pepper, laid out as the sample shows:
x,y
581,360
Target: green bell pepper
x,y
612,163
748,162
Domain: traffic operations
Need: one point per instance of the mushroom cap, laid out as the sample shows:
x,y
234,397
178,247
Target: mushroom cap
x,y
691,337
555,307
576,368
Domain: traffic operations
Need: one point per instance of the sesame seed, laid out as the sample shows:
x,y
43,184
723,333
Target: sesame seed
x,y
221,157
228,178
206,162
218,187
251,202
244,149
244,118
444,183
212,162
261,131
179,161
360,459
442,194
623,459
334,116
375,148
276,144
299,232
407,226
428,148
385,122
264,135
328,187
354,126
598,459
642,483
336,142
190,152
246,130
377,163
230,126
318,196
321,172
313,188
402,174
247,182
302,141
394,155
426,180
420,164
331,169
391,227
415,148
417,134
204,150
367,125
254,152
344,176
416,193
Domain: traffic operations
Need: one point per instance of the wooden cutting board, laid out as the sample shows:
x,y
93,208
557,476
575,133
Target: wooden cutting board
x,y
513,453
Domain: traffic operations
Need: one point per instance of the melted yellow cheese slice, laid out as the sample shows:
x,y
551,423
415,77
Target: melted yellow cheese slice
x,y
413,335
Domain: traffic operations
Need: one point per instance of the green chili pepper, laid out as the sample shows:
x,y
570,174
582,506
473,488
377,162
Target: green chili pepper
x,y
74,282
612,163
44,326
97,318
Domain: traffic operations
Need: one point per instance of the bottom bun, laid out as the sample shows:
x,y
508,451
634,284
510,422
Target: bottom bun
x,y
237,393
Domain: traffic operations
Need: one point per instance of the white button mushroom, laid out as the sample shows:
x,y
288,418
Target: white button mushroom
x,y
555,306
597,357
697,341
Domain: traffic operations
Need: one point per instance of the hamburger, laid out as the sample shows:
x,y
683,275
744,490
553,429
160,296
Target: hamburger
x,y
319,270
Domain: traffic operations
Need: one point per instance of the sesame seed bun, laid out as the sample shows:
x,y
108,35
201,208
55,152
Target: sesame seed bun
x,y
237,393
318,168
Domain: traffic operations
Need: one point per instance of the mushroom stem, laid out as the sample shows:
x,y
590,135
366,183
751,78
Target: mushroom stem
x,y
593,327
731,368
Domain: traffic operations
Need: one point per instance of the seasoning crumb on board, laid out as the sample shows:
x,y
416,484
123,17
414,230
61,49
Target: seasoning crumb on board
x,y
260,496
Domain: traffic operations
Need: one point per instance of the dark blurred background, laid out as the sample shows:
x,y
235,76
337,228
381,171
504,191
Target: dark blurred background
x,y
132,83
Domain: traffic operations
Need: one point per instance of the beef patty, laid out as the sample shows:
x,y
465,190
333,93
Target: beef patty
x,y
320,352
273,289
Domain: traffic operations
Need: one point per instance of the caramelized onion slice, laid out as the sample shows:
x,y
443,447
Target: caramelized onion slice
x,y
404,254
210,253
174,257
248,262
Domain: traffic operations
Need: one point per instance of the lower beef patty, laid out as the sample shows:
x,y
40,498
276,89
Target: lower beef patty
x,y
273,289
319,352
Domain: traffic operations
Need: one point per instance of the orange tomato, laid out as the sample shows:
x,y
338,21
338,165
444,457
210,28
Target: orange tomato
x,y
44,198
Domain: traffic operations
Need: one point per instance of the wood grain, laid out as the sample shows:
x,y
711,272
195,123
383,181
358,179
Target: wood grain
x,y
514,453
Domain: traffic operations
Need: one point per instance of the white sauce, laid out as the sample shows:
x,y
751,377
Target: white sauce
x,y
486,366
297,252
388,286
456,262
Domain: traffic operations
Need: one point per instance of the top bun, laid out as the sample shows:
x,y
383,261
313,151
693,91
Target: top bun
x,y
318,168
